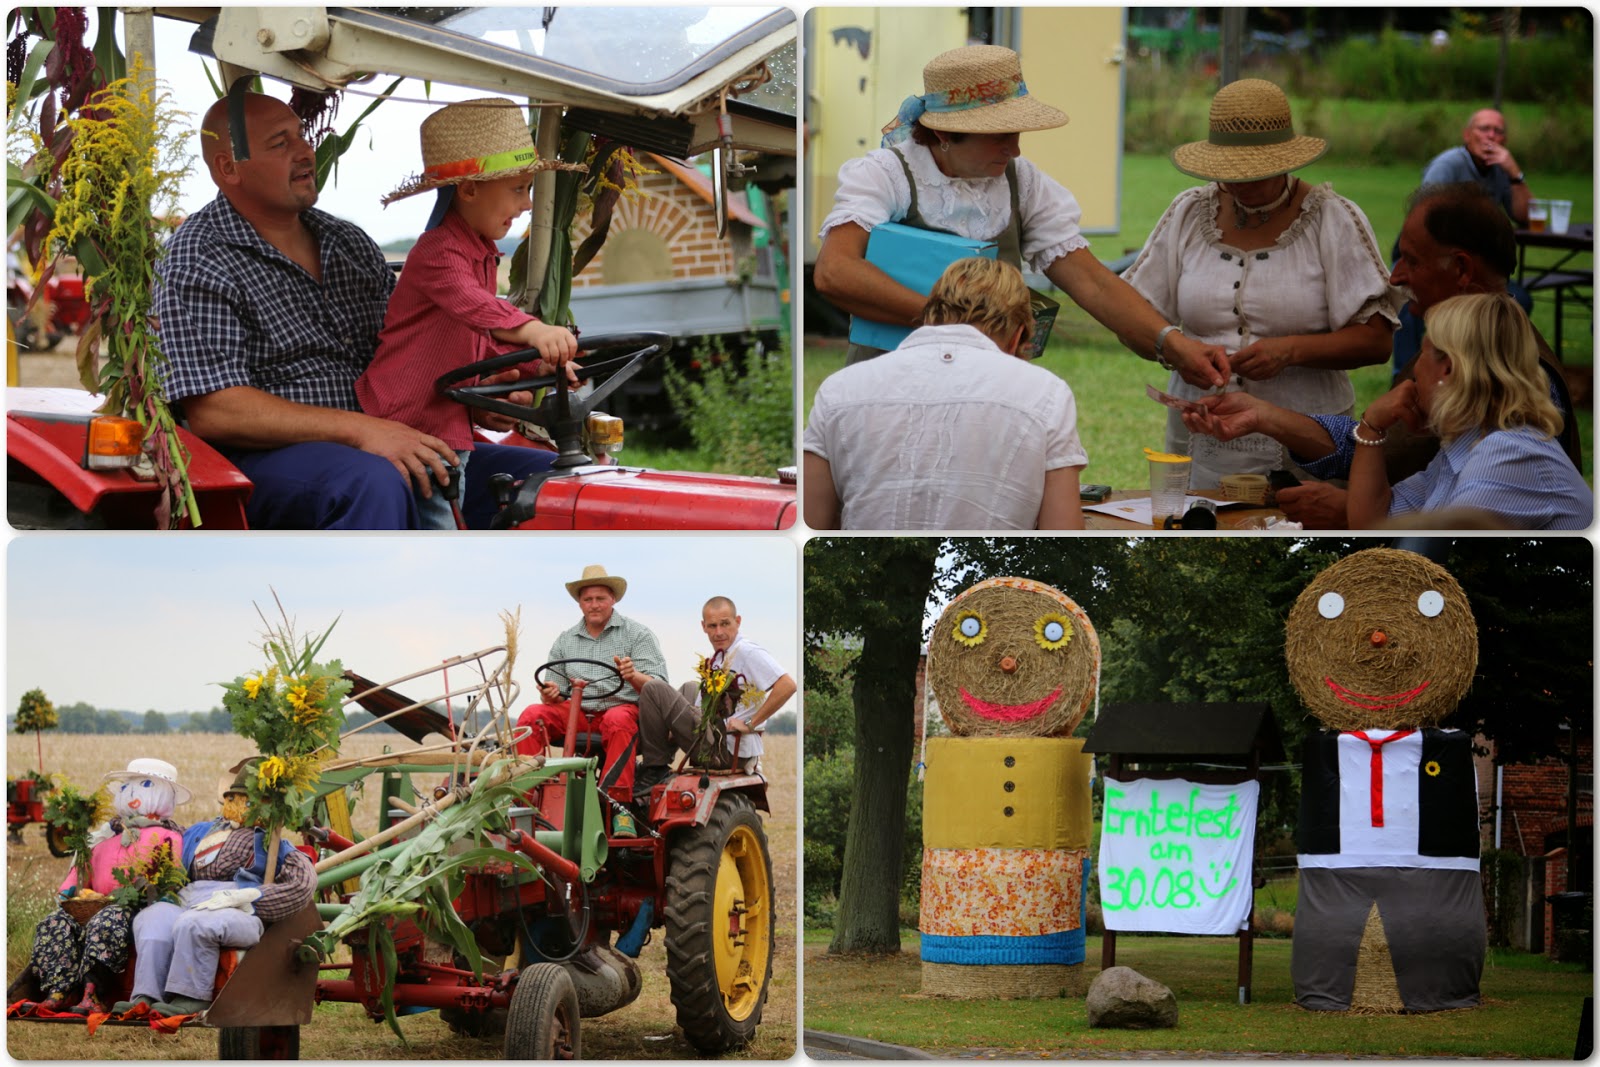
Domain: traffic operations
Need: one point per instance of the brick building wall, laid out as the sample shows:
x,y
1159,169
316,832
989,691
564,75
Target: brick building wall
x,y
679,217
1533,802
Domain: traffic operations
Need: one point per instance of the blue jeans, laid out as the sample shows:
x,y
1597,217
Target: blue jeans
x,y
325,486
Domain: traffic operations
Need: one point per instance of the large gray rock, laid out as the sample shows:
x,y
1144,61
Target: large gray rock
x,y
1123,999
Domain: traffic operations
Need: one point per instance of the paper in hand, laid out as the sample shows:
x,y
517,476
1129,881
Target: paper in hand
x,y
1176,403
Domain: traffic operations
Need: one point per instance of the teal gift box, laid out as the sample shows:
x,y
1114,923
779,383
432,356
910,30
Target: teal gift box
x,y
914,258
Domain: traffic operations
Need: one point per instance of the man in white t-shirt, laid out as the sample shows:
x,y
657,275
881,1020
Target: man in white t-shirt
x,y
669,719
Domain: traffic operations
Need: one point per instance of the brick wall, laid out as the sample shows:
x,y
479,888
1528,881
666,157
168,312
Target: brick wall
x,y
679,216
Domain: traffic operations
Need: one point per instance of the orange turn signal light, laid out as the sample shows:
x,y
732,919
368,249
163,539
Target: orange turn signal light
x,y
113,443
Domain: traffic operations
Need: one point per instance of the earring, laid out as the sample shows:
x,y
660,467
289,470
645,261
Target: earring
x,y
944,146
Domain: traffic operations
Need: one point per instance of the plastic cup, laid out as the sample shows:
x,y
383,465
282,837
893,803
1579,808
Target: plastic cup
x,y
1169,485
1538,214
1560,215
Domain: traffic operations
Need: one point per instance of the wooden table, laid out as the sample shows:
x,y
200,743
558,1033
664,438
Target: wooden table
x,y
1234,517
1566,279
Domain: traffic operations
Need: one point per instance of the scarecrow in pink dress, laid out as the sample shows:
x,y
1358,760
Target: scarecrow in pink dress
x,y
69,957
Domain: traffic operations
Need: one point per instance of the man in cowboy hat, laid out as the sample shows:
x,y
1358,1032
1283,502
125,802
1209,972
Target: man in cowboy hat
x,y
604,636
445,313
1455,240
269,310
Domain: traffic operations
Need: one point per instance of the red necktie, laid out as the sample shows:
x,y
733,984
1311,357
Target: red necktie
x,y
1377,769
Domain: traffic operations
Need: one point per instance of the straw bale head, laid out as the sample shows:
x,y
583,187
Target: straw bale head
x,y
1383,640
1011,656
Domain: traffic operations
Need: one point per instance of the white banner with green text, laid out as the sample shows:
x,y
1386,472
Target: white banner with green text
x,y
1175,856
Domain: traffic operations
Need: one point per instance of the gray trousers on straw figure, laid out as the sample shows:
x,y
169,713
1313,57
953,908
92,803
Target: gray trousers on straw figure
x,y
178,947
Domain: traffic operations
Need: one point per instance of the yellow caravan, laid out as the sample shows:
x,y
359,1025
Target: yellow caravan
x,y
860,62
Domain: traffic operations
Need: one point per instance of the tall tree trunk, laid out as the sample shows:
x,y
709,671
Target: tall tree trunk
x,y
885,701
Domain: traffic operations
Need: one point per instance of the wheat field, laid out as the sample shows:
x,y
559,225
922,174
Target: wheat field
x,y
643,1030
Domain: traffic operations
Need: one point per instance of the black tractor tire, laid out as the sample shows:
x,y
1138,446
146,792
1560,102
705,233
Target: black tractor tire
x,y
258,1043
55,839
542,1023
720,926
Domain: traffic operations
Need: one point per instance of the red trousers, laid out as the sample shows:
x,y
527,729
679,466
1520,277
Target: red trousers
x,y
618,729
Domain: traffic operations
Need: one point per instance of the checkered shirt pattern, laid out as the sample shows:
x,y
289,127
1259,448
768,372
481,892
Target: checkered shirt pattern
x,y
233,310
621,637
292,886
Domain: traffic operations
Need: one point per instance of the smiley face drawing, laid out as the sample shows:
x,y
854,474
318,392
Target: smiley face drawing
x,y
1011,656
1383,639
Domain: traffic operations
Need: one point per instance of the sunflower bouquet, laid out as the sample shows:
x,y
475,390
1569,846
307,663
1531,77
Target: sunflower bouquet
x,y
74,814
293,709
719,697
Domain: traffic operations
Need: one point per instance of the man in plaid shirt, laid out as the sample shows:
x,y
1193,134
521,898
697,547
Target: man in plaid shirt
x,y
269,310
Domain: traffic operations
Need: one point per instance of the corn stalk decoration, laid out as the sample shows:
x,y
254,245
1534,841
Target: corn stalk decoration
x,y
421,882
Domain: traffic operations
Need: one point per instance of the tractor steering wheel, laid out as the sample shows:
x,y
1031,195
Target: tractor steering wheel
x,y
538,675
609,360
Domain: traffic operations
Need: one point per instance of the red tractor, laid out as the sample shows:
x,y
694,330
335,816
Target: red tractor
x,y
25,800
555,901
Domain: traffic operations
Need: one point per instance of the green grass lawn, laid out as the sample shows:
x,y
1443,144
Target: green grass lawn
x,y
1116,420
1530,1010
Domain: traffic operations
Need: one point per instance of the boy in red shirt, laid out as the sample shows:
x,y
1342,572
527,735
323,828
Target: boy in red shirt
x,y
445,312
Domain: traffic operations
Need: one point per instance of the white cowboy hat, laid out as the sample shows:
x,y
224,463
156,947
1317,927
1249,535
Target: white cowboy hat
x,y
594,574
153,768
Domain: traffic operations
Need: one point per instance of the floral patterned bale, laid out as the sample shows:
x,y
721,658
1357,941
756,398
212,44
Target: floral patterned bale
x,y
1381,647
1013,657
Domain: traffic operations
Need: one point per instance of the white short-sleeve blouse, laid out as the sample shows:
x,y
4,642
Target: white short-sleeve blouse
x,y
1323,274
873,189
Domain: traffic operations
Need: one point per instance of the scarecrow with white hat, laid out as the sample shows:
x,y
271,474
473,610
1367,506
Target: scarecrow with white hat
x,y
601,637
1283,274
479,158
69,956
226,904
951,162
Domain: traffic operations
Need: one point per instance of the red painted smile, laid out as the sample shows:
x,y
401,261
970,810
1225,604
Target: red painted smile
x,y
1008,712
1371,702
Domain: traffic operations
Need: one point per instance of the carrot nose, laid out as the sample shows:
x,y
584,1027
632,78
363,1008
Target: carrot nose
x,y
1379,639
1008,664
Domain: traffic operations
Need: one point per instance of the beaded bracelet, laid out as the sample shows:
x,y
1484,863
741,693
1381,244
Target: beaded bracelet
x,y
1355,435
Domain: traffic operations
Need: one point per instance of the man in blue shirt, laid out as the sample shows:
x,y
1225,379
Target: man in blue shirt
x,y
1483,157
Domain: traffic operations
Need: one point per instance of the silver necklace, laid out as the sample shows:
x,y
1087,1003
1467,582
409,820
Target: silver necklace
x,y
1243,213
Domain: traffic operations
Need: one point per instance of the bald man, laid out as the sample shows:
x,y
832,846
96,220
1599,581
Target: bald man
x,y
269,310
1483,157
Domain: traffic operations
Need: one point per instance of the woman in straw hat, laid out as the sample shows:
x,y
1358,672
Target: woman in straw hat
x,y
1285,275
950,162
445,313
69,957
1477,386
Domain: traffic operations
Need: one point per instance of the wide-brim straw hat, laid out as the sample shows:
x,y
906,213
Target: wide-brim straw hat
x,y
594,574
153,768
985,72
475,141
1252,137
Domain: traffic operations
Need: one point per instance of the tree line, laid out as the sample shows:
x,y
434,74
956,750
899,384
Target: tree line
x,y
83,718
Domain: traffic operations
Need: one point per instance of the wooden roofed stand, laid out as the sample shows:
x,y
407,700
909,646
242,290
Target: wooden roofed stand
x,y
1216,744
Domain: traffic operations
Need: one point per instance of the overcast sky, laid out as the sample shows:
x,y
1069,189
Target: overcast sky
x,y
141,622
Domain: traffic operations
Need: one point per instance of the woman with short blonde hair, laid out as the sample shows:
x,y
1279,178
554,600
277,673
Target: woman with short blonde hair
x,y
1478,386
983,293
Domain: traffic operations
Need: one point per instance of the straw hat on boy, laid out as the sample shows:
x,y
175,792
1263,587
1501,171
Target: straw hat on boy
x,y
1252,137
475,141
976,89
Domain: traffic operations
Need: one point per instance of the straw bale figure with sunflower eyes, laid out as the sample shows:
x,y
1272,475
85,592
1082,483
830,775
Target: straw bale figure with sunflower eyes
x,y
1382,647
1006,824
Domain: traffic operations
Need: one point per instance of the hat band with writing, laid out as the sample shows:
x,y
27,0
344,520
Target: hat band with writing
x,y
467,168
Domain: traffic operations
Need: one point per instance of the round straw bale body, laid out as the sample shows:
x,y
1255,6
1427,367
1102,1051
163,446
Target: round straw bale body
x,y
1003,982
1383,639
1011,656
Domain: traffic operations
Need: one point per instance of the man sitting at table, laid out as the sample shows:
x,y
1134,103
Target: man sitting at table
x,y
953,430
1483,157
1455,240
